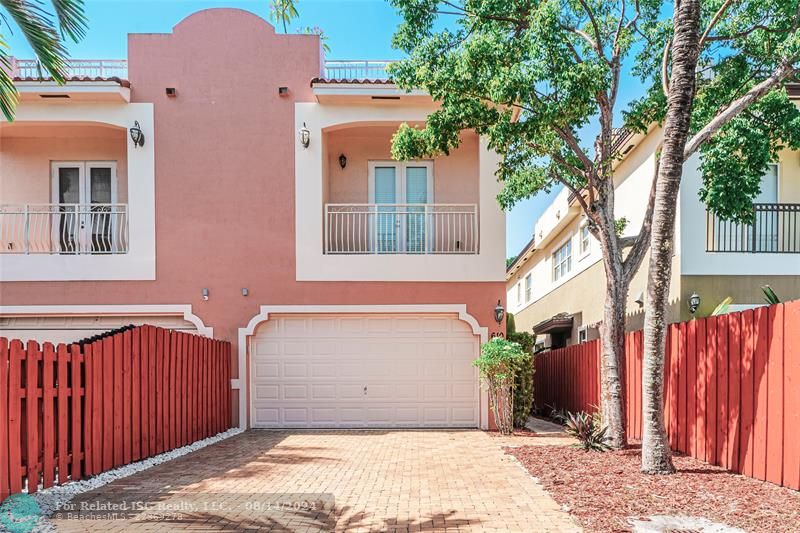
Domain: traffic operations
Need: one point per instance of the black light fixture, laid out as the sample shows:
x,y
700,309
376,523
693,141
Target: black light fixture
x,y
137,136
694,302
499,312
305,136
342,160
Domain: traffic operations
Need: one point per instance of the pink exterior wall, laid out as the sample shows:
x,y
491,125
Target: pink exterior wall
x,y
225,182
26,153
455,176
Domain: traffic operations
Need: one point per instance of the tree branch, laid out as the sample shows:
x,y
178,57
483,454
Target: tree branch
x,y
714,20
783,71
597,35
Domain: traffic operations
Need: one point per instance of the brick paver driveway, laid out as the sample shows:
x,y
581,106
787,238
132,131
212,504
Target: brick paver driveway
x,y
332,481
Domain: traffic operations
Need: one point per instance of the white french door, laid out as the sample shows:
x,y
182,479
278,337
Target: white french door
x,y
84,192
400,192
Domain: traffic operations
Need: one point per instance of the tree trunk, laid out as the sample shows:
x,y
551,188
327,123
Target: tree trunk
x,y
612,332
612,335
656,453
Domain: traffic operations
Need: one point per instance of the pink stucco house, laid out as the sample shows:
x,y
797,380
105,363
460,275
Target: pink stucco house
x,y
260,205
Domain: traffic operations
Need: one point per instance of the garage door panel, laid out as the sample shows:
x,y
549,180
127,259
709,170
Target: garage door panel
x,y
417,369
267,392
295,370
324,370
266,370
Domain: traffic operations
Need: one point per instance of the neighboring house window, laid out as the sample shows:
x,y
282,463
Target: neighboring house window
x,y
562,261
585,240
527,288
583,334
519,293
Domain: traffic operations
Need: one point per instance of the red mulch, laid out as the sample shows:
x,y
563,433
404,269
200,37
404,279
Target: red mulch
x,y
602,490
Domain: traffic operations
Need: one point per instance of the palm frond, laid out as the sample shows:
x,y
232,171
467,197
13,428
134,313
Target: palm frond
x,y
71,19
8,92
38,28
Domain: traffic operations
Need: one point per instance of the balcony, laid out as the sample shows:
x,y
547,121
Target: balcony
x,y
64,229
76,68
775,229
401,229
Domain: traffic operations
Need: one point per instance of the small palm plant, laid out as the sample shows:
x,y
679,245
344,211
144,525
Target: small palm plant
x,y
769,295
46,37
589,430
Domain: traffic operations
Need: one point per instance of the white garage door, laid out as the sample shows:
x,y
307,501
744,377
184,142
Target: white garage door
x,y
351,371
72,328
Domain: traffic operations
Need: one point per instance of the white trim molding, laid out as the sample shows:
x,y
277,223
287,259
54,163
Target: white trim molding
x,y
243,383
314,265
110,310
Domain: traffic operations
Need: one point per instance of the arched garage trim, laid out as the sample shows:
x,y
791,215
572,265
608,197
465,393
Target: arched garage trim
x,y
266,310
145,310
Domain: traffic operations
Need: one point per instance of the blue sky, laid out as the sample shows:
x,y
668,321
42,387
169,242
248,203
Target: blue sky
x,y
356,29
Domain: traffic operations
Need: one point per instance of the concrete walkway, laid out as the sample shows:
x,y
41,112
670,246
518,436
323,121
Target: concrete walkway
x,y
330,481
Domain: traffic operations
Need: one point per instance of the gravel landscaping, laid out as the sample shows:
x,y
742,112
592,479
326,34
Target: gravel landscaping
x,y
604,490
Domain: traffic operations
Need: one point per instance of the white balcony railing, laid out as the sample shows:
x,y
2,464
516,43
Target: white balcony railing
x,y
357,69
401,229
64,229
80,68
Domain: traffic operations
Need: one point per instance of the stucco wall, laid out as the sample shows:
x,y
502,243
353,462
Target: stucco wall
x,y
583,296
745,290
455,176
27,151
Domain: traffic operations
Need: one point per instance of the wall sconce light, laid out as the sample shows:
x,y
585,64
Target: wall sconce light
x,y
305,136
499,313
137,136
205,294
640,299
245,292
342,160
694,302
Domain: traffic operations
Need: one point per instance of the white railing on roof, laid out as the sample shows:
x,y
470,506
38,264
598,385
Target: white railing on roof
x,y
76,68
357,69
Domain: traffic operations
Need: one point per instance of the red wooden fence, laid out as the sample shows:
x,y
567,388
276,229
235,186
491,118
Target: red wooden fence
x,y
72,411
732,389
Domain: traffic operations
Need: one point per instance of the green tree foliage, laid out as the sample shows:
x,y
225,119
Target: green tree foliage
x,y
530,75
46,32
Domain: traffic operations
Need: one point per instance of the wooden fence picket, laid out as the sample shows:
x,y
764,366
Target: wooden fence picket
x,y
48,416
4,418
72,411
731,395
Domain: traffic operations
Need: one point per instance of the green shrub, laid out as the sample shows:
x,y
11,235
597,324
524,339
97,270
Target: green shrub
x,y
589,430
523,380
511,326
498,364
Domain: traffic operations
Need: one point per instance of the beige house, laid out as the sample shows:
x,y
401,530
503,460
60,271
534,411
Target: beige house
x,y
555,287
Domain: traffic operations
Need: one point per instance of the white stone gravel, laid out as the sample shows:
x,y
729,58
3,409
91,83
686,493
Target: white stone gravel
x,y
53,498
667,523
